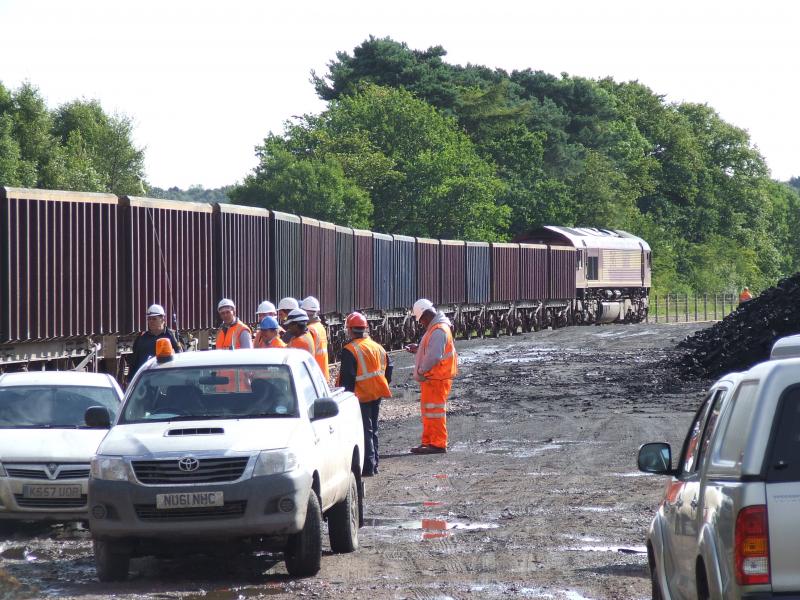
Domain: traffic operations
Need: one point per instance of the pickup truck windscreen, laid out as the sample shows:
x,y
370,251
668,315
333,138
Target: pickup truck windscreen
x,y
783,461
193,393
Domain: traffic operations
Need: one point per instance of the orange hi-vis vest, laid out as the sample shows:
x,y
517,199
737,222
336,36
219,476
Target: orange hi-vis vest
x,y
230,338
304,342
317,331
745,296
275,342
371,361
447,367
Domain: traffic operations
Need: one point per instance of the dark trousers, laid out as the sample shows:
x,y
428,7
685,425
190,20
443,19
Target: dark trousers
x,y
369,417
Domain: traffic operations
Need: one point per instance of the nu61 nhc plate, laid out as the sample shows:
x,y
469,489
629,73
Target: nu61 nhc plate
x,y
189,500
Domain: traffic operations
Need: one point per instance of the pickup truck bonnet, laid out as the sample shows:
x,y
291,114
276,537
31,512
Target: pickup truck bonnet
x,y
245,435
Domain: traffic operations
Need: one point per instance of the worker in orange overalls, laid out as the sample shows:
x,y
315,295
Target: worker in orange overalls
x,y
269,334
745,296
366,370
317,331
296,325
435,366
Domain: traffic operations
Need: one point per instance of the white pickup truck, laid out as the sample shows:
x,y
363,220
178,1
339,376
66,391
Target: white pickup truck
x,y
227,450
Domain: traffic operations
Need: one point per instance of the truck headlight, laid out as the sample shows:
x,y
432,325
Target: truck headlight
x,y
2,471
110,469
271,462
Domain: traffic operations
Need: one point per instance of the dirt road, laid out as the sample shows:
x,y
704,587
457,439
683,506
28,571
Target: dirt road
x,y
537,497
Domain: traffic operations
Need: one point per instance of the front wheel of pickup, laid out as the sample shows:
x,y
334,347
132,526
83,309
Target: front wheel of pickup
x,y
303,554
111,561
343,520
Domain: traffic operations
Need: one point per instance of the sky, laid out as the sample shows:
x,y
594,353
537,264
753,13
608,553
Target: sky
x,y
204,82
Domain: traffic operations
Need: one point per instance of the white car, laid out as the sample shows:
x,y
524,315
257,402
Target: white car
x,y
228,449
45,446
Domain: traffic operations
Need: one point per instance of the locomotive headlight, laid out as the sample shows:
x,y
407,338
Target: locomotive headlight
x,y
272,462
109,468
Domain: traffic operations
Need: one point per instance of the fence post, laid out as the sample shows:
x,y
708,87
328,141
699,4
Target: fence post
x,y
648,314
676,307
715,307
695,307
705,307
686,308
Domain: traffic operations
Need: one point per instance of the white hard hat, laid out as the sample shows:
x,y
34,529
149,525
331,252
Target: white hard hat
x,y
265,307
421,306
155,310
298,315
226,302
310,303
288,304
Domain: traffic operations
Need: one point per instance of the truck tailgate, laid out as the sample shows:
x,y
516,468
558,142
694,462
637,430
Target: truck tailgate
x,y
783,511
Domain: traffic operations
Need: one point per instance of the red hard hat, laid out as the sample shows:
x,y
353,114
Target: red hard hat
x,y
355,319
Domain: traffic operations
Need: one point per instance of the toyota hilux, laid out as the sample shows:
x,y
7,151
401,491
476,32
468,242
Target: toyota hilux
x,y
227,449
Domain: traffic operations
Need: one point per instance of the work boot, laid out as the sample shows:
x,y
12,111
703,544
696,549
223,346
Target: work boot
x,y
429,450
419,449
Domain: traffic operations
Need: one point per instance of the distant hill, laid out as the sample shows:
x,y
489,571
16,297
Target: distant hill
x,y
196,193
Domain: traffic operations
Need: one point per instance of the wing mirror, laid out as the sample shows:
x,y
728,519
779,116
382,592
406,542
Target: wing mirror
x,y
97,417
656,458
324,408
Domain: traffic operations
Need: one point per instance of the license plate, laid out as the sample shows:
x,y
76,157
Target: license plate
x,y
189,500
51,491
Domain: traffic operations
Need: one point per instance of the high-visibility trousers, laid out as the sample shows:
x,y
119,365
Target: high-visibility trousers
x,y
433,407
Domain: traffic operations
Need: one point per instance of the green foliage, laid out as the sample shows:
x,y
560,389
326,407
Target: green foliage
x,y
380,159
195,193
574,151
75,147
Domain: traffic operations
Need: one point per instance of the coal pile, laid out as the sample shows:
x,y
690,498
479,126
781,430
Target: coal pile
x,y
745,337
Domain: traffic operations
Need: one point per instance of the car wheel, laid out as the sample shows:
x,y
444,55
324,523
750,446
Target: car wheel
x,y
343,521
111,561
303,554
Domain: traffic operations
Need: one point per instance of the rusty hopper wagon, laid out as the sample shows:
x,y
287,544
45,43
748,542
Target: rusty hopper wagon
x,y
79,269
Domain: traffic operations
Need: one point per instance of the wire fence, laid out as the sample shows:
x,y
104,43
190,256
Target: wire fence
x,y
685,308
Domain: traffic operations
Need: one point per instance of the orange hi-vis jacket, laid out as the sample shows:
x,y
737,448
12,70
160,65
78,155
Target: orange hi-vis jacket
x,y
230,337
745,296
317,331
275,342
371,362
447,367
304,342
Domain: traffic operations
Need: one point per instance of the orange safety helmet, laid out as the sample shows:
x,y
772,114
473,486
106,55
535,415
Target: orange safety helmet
x,y
356,320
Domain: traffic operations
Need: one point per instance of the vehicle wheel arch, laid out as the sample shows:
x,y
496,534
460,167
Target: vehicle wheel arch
x,y
708,558
701,579
355,467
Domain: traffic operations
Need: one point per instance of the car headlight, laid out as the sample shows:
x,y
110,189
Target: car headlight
x,y
271,462
110,469
2,471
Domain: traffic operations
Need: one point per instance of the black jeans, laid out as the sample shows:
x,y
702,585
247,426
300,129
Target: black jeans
x,y
369,418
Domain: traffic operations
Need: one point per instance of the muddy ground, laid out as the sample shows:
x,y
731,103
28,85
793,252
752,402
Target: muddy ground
x,y
537,497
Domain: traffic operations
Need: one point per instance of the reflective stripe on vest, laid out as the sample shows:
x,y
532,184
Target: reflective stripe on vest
x,y
434,415
317,331
231,336
371,364
447,367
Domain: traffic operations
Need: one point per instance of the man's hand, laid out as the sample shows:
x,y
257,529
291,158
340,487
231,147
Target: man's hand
x,y
412,348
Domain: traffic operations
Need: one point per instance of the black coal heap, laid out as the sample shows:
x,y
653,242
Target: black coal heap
x,y
745,336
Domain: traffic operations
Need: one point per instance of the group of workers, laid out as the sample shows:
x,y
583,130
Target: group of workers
x,y
365,368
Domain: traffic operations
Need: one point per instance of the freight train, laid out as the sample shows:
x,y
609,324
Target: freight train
x,y
79,270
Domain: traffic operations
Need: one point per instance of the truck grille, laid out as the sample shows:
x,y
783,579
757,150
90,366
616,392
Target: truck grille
x,y
24,502
211,470
231,510
39,472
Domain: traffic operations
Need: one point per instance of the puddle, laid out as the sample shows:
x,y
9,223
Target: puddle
x,y
598,548
240,593
595,508
430,528
631,474
508,448
423,504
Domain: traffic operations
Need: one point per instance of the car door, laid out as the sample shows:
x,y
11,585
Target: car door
x,y
674,519
322,434
688,507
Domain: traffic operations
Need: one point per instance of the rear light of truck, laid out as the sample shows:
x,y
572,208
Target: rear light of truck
x,y
752,546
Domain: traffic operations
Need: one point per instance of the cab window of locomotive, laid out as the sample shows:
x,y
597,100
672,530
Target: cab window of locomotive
x,y
592,267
